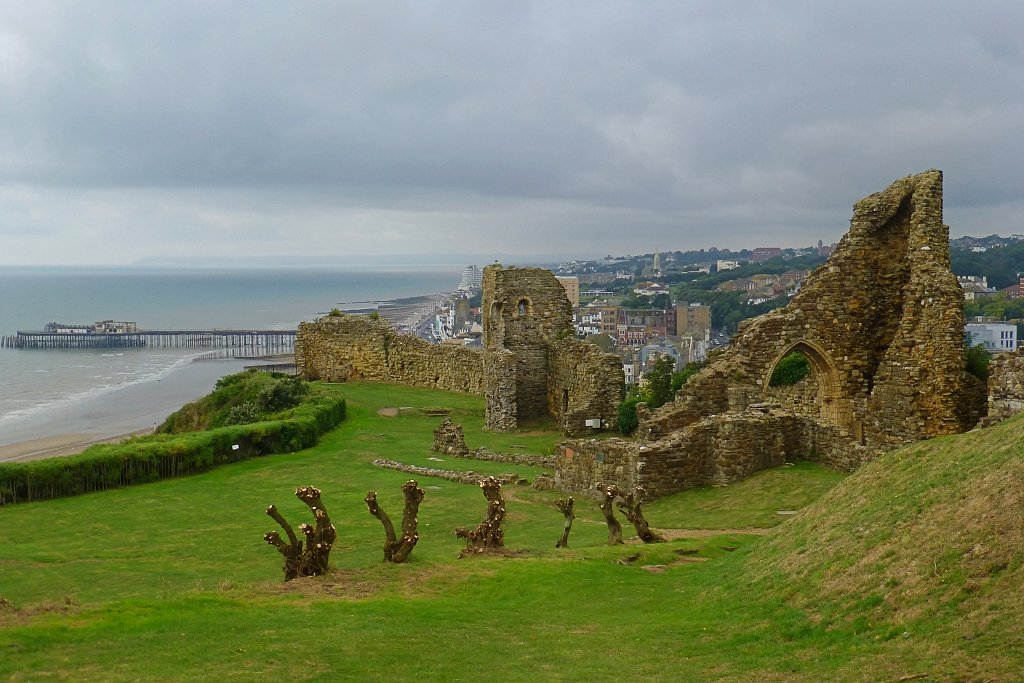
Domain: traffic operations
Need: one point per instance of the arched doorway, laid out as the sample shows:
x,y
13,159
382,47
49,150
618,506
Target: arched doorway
x,y
833,407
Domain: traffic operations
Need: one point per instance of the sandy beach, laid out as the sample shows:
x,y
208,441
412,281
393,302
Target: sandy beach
x,y
115,415
58,445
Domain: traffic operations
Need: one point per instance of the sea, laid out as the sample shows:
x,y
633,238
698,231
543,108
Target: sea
x,y
109,392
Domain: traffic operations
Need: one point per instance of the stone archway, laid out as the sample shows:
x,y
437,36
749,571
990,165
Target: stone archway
x,y
834,408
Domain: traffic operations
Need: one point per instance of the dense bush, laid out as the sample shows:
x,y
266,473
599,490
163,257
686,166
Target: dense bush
x,y
159,456
791,369
241,398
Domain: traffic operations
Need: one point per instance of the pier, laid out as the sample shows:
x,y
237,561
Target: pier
x,y
262,341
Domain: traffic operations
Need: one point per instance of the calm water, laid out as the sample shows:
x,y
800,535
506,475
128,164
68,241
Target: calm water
x,y
69,391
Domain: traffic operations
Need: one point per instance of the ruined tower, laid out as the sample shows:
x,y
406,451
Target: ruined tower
x,y
525,310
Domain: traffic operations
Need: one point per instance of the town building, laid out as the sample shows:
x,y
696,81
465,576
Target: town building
x,y
764,253
571,284
472,279
994,337
1015,291
650,289
975,287
692,318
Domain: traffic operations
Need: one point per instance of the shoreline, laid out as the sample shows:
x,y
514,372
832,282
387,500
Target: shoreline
x,y
59,445
137,409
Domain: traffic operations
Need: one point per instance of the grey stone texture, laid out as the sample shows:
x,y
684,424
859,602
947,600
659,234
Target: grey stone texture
x,y
715,450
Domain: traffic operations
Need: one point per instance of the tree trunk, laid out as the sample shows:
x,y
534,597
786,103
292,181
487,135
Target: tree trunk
x,y
309,557
397,549
608,508
630,506
489,533
565,507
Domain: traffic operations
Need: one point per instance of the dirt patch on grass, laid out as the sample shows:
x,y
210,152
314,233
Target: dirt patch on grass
x,y
405,580
676,534
12,615
390,411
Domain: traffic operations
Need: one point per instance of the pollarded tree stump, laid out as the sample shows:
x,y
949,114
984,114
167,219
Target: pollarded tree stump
x,y
565,507
630,506
489,533
609,492
309,557
397,549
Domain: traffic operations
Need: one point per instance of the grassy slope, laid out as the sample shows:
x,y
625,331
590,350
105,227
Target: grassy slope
x,y
172,578
927,541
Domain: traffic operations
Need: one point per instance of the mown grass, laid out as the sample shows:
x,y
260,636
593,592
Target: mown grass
x,y
172,581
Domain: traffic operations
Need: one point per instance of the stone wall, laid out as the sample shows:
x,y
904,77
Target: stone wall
x,y
345,346
531,366
881,322
715,451
1005,386
527,315
500,390
584,383
525,310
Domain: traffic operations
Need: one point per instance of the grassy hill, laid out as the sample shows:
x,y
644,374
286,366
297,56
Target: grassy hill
x,y
904,569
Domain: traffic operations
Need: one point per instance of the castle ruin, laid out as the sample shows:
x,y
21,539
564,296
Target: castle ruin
x,y
531,367
881,324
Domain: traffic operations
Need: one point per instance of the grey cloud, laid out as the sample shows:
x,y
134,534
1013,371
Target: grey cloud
x,y
596,123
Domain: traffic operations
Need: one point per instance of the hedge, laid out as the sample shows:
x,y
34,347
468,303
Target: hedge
x,y
149,458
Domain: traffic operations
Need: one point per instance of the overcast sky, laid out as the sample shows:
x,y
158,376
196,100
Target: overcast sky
x,y
132,130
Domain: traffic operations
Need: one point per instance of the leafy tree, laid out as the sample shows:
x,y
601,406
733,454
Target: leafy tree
x,y
659,381
628,421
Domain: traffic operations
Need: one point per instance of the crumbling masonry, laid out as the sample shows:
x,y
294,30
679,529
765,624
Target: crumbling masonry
x,y
532,366
881,323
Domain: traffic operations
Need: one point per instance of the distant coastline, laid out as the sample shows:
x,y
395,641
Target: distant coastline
x,y
100,419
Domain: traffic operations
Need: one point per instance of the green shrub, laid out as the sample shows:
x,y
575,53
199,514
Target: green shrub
x,y
242,414
242,398
285,392
628,421
793,367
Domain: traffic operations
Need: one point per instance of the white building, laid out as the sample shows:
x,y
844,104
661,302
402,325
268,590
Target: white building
x,y
995,337
472,279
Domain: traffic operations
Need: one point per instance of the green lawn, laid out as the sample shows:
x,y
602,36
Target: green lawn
x,y
172,580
